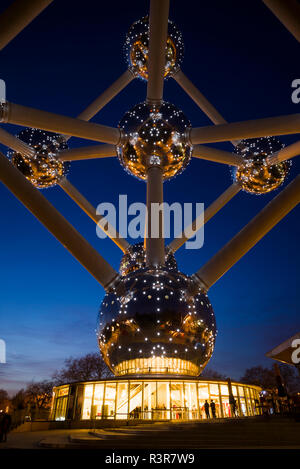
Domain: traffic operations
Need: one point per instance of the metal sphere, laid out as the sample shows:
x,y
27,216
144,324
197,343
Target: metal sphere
x,y
255,175
136,48
43,169
159,323
135,259
154,136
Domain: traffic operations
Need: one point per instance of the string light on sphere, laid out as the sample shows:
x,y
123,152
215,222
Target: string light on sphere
x,y
254,174
135,258
136,48
154,136
43,169
187,340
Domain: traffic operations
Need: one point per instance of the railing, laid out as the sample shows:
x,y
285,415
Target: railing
x,y
178,413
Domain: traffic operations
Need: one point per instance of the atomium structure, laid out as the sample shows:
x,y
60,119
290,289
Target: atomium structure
x,y
153,319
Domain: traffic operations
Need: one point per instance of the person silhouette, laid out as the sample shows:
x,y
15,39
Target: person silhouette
x,y
5,425
206,408
213,409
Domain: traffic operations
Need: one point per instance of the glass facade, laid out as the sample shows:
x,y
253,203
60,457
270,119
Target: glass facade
x,y
156,365
154,399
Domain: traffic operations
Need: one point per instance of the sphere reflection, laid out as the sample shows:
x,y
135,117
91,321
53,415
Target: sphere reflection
x,y
158,324
154,136
43,169
255,175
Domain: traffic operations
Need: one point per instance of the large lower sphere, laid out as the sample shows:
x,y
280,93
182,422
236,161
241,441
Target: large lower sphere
x,y
158,324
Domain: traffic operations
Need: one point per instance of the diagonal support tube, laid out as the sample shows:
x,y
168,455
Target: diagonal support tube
x,y
106,96
216,155
285,154
288,12
17,16
30,117
87,207
63,231
158,27
282,125
15,143
209,110
87,153
155,244
198,98
253,232
213,208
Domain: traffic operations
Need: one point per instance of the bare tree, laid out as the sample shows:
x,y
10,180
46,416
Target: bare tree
x,y
86,368
209,373
265,377
39,394
4,399
19,400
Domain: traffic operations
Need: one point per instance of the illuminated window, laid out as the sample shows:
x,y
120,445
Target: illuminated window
x,y
61,408
163,400
122,401
203,395
98,401
224,390
157,365
149,399
214,389
191,400
109,401
87,401
135,400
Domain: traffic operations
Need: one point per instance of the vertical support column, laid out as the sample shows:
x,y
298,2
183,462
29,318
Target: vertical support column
x,y
239,401
142,416
155,247
198,407
128,401
116,396
158,25
220,402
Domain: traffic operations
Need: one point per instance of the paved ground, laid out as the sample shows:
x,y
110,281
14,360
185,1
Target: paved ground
x,y
233,434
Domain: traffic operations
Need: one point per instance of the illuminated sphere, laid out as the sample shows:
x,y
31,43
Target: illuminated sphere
x,y
154,136
155,323
135,259
255,175
136,48
43,169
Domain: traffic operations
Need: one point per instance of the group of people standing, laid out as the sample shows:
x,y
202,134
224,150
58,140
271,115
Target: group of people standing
x,y
208,407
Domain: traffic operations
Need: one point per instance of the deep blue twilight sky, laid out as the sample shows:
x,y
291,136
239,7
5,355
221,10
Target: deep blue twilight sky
x,y
243,60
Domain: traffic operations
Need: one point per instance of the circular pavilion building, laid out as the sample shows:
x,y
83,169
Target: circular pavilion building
x,y
152,398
